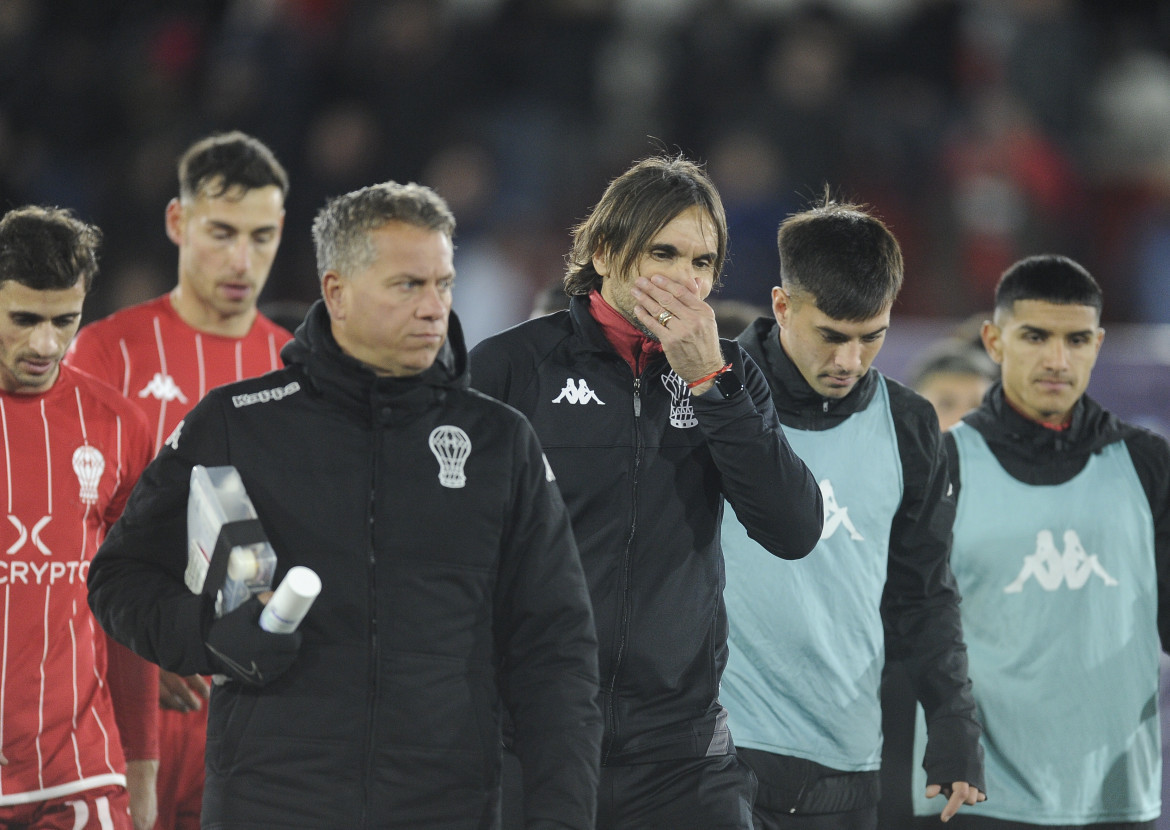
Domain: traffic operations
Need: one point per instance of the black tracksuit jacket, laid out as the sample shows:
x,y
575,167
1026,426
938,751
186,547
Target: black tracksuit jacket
x,y
920,603
440,604
646,501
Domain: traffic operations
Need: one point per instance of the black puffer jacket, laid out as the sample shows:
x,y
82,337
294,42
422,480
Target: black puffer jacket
x,y
439,602
644,468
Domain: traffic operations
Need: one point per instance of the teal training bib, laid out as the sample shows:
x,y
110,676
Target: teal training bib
x,y
1060,618
806,644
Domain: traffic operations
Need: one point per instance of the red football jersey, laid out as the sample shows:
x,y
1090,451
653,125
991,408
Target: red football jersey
x,y
71,457
166,366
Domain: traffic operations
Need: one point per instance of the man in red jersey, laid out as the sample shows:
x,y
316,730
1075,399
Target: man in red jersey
x,y
165,354
76,752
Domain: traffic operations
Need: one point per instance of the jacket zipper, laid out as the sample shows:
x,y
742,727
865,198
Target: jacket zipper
x,y
371,702
626,566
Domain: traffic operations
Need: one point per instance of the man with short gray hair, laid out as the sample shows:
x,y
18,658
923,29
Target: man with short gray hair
x,y
452,588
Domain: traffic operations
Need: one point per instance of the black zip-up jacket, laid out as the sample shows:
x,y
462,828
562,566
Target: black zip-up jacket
x,y
439,602
644,467
1040,456
920,603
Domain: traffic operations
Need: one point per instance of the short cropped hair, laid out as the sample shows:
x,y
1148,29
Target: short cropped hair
x,y
229,162
47,249
1051,278
634,208
844,256
953,357
341,231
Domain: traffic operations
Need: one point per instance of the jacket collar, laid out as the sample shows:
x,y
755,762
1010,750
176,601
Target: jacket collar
x,y
356,387
1090,429
592,335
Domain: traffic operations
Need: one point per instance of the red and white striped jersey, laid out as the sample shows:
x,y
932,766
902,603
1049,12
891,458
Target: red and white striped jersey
x,y
70,458
165,365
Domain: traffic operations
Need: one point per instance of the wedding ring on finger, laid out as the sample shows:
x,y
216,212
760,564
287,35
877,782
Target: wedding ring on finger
x,y
664,317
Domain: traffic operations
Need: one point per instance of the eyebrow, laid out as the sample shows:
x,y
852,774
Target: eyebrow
x,y
228,226
35,315
667,248
836,333
1048,332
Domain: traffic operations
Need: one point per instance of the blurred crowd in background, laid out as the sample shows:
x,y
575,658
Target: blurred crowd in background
x,y
981,130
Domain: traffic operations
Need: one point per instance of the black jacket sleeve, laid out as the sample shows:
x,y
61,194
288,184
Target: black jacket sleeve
x,y
920,606
136,586
1151,460
544,630
774,494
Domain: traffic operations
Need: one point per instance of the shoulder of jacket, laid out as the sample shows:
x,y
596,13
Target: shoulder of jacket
x,y
482,404
907,405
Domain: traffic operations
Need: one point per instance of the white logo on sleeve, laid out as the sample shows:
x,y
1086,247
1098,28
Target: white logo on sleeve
x,y
451,447
836,516
89,464
548,472
581,393
163,388
1051,567
173,441
682,414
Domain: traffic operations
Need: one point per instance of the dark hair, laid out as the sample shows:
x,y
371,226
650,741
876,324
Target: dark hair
x,y
1051,278
341,231
224,162
953,357
47,249
844,256
637,205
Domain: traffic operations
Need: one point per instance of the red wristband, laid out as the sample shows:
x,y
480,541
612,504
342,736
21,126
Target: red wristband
x,y
706,378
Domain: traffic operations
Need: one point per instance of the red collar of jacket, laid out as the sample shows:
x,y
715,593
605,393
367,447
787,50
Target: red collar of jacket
x,y
629,342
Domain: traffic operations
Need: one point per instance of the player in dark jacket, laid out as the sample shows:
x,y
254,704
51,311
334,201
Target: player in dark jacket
x,y
452,587
650,422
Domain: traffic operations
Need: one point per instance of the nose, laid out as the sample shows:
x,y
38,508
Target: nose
x,y
45,340
1056,355
848,356
434,303
699,277
242,256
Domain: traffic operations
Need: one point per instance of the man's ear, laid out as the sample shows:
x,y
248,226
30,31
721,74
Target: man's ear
x,y
174,221
992,336
333,291
781,304
601,261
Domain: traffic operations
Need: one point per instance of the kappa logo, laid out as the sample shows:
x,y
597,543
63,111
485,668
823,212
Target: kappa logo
x,y
581,393
24,534
1051,567
163,388
265,395
836,516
